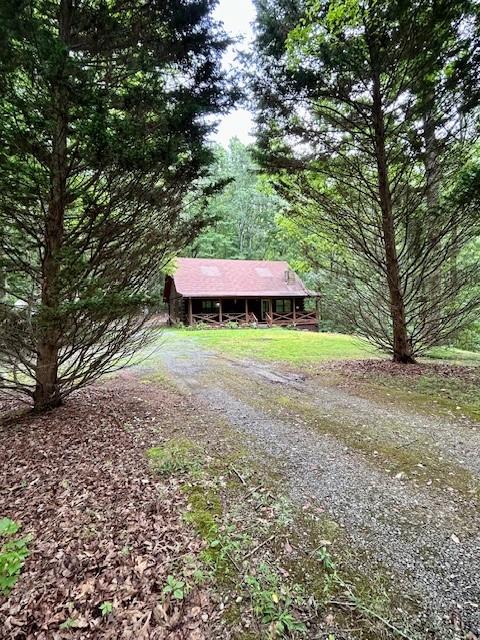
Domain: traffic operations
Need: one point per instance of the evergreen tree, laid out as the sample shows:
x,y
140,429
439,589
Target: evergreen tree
x,y
102,130
361,126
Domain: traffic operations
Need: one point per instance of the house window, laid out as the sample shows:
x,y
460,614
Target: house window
x,y
283,306
210,306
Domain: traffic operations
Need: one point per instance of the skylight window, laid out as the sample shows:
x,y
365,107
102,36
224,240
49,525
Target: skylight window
x,y
211,272
263,272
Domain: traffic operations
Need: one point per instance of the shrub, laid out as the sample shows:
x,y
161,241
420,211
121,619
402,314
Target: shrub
x,y
198,326
13,553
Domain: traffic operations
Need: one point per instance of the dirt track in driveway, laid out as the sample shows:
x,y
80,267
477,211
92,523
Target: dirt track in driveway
x,y
403,486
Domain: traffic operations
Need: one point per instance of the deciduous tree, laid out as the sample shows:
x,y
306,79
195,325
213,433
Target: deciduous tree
x,y
244,212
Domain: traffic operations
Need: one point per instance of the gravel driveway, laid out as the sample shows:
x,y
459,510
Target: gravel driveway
x,y
422,524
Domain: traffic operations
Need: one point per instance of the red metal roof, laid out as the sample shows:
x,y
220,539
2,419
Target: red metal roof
x,y
206,277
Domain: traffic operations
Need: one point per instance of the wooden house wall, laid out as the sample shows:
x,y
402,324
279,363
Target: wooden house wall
x,y
177,305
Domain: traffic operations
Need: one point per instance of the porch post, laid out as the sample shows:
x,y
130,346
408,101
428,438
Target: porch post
x,y
294,312
220,314
246,310
270,307
317,311
190,315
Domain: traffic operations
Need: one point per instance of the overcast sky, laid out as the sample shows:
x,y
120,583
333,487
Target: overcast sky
x,y
237,16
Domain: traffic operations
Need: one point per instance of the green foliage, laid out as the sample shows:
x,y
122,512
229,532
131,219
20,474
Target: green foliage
x,y
69,623
244,214
103,174
176,588
469,338
397,209
228,543
232,559
198,326
331,579
231,325
248,221
202,326
106,608
13,553
273,603
8,527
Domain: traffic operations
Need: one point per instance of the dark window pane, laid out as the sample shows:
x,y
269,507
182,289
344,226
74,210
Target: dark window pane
x,y
209,306
283,306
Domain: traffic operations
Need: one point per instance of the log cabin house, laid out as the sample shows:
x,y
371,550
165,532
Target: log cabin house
x,y
247,292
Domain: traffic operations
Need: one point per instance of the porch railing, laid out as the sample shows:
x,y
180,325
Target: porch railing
x,y
297,318
214,318
274,319
234,317
207,318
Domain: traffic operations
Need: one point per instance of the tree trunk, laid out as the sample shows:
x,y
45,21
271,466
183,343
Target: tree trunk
x,y
433,284
431,159
402,351
3,281
46,395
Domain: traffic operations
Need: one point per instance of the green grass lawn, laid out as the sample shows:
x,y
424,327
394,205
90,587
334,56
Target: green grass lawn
x,y
283,345
304,347
454,356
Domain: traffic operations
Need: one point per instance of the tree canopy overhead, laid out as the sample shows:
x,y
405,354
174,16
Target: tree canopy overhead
x,y
106,106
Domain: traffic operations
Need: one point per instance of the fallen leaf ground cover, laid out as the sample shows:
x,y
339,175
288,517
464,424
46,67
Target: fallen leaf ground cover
x,y
401,482
148,516
282,570
105,532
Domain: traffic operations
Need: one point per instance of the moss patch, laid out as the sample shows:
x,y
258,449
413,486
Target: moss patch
x,y
159,375
431,388
428,394
281,562
205,509
414,460
276,567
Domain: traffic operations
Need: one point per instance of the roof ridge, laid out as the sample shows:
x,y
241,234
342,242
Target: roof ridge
x,y
229,259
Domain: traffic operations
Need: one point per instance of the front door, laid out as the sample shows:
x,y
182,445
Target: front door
x,y
266,308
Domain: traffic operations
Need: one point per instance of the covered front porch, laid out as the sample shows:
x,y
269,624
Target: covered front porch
x,y
250,311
